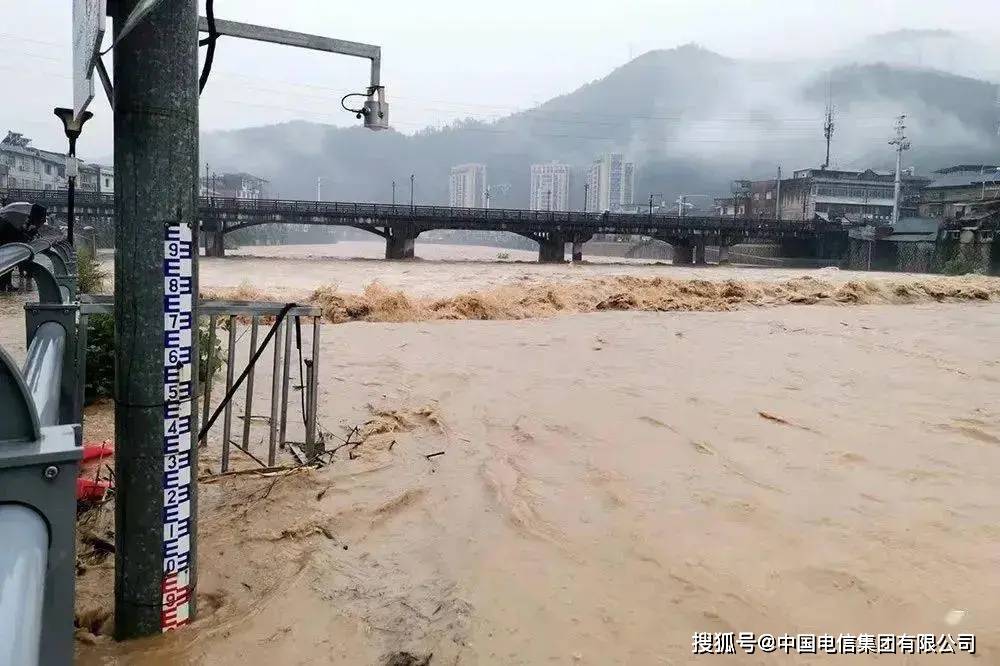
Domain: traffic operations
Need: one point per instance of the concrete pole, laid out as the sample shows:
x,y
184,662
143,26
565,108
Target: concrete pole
x,y
897,187
156,290
777,197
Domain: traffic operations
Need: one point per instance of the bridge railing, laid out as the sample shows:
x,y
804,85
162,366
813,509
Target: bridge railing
x,y
379,214
40,420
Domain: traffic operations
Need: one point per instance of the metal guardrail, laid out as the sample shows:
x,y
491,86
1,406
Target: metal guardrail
x,y
39,459
13,255
228,317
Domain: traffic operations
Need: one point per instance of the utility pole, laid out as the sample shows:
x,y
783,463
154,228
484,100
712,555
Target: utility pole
x,y
901,143
411,191
777,197
156,293
828,125
210,193
393,193
828,128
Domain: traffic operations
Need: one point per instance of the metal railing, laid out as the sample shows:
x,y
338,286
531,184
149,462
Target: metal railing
x,y
39,459
234,320
251,212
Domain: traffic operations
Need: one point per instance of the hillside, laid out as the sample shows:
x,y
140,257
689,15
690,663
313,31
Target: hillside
x,y
692,120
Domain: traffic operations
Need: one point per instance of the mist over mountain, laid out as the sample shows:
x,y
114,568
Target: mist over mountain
x,y
944,50
691,119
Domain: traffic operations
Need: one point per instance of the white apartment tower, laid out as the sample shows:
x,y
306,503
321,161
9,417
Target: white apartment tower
x,y
467,186
610,184
550,186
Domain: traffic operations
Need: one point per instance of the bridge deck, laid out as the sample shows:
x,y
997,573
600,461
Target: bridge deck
x,y
235,214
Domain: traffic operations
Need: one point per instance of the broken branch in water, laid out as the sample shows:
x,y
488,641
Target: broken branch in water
x,y
252,456
347,442
778,419
264,471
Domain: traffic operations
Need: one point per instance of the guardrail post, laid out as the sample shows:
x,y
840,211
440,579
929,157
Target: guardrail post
x,y
227,416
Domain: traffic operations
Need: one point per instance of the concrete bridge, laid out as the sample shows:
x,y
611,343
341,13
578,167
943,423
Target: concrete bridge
x,y
400,225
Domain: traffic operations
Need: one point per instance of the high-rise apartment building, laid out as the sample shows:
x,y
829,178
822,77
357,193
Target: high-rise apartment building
x,y
550,187
610,184
467,186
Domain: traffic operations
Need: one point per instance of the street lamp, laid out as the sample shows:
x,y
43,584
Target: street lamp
x,y
651,203
72,126
492,190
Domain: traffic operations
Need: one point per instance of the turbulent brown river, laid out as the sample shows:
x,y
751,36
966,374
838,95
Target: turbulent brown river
x,y
628,454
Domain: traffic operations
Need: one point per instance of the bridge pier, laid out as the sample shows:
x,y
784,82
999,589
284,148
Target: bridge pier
x,y
578,241
216,246
699,252
400,244
683,255
552,248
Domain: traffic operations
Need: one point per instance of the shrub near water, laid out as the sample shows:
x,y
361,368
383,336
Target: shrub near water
x,y
101,357
90,275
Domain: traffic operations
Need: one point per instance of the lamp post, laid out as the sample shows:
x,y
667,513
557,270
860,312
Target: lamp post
x,y
72,126
651,195
393,193
411,191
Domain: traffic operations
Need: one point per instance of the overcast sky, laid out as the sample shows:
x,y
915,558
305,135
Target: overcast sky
x,y
444,59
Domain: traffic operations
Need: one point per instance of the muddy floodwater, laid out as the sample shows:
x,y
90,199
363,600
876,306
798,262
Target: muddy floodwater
x,y
596,487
